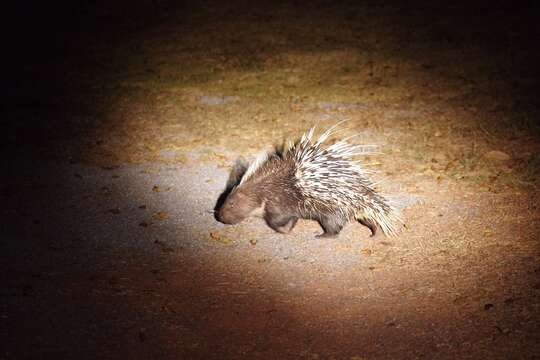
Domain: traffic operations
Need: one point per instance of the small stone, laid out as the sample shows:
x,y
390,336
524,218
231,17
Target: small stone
x,y
216,236
160,215
497,155
366,252
217,100
292,79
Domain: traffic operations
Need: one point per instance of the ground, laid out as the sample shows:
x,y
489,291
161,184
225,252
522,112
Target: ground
x,y
122,122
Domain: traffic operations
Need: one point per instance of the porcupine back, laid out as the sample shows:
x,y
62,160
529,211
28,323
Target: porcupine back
x,y
331,182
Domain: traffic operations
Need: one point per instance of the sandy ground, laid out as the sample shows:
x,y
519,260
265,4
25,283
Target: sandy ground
x,y
130,262
119,135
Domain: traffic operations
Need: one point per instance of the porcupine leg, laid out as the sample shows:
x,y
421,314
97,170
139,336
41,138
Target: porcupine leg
x,y
331,225
370,224
282,223
291,224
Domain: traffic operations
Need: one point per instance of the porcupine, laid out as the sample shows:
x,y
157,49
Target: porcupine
x,y
310,181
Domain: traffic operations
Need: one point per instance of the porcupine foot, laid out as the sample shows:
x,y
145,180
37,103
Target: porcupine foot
x,y
331,226
370,224
282,223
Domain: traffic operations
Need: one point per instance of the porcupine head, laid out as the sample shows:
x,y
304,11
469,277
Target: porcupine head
x,y
244,197
238,205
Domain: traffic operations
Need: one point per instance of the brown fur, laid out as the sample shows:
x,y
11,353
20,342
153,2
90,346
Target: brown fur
x,y
238,206
274,185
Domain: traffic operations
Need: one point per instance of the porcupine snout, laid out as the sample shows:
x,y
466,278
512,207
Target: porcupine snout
x,y
236,207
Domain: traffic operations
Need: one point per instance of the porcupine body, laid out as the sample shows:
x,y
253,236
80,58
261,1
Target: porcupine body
x,y
310,181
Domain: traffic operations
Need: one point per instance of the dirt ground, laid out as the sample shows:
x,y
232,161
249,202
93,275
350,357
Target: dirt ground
x,y
120,126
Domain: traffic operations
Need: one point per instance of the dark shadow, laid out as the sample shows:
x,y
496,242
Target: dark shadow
x,y
237,172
